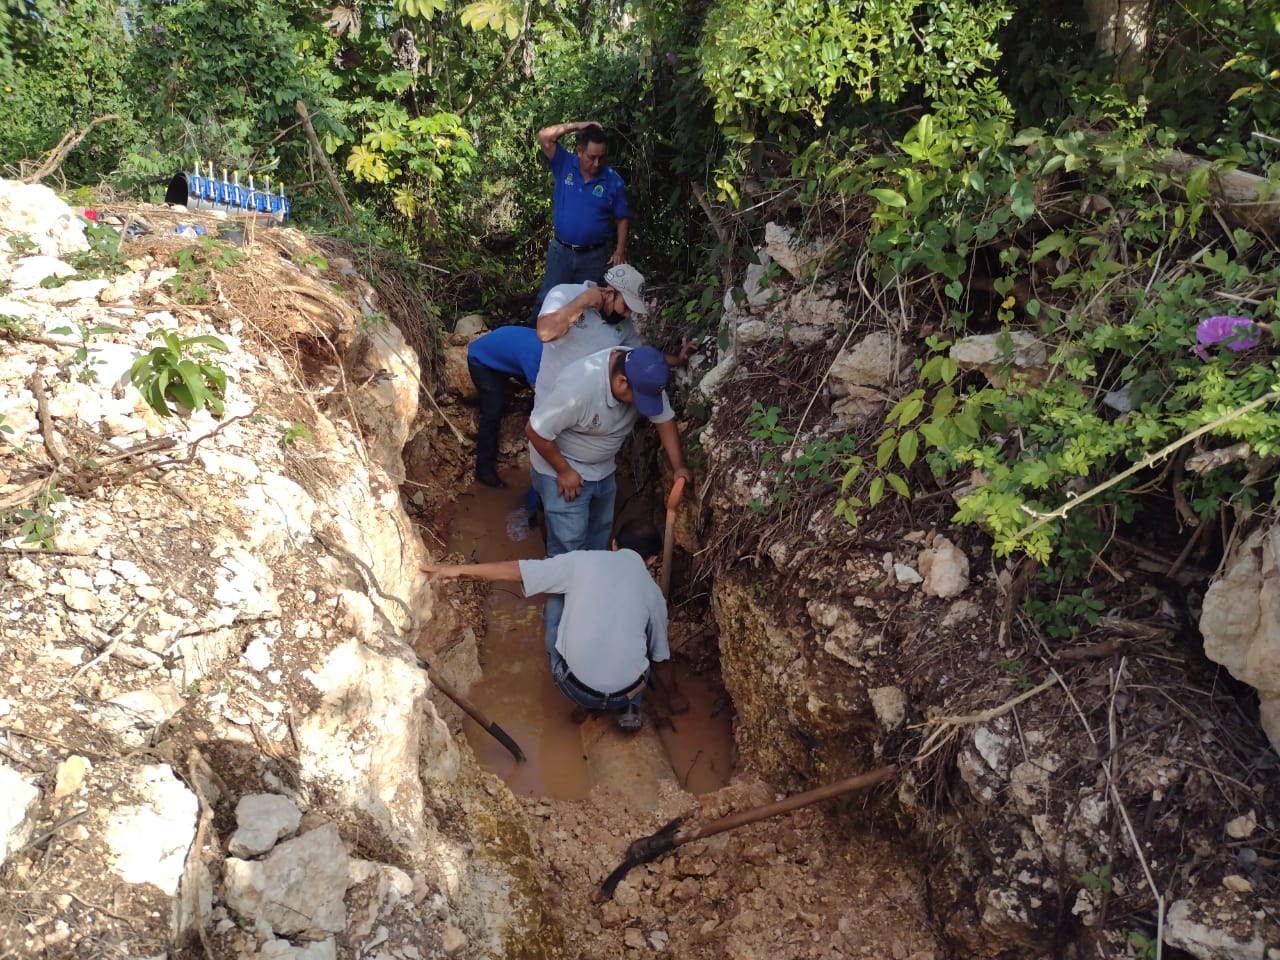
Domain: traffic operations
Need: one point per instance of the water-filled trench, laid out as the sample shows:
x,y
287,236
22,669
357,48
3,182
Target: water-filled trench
x,y
515,690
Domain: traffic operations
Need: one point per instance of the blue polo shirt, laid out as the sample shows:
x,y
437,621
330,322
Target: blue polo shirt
x,y
584,212
514,350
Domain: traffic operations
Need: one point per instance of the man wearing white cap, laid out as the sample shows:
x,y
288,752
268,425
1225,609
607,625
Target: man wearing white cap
x,y
579,319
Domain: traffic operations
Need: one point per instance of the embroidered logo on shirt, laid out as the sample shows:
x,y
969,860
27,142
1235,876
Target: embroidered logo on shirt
x,y
598,191
568,179
595,421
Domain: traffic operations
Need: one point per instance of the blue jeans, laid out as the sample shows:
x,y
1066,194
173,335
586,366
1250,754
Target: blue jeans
x,y
565,266
584,523
584,698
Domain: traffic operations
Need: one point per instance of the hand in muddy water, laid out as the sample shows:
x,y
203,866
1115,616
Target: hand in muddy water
x,y
569,483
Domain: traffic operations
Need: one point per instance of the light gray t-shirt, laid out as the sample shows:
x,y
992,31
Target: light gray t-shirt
x,y
584,419
589,334
615,617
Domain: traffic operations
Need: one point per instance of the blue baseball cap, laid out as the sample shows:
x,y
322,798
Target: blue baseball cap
x,y
647,373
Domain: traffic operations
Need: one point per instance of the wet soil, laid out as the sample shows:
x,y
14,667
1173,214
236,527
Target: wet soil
x,y
515,689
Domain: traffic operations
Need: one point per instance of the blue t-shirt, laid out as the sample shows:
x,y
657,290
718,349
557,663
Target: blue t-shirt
x,y
513,350
584,212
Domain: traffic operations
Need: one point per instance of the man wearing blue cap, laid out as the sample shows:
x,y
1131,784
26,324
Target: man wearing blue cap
x,y
574,433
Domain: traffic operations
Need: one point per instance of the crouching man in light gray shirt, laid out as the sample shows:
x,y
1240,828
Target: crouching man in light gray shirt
x,y
614,625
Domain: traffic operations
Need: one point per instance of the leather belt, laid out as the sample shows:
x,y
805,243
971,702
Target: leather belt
x,y
581,247
591,691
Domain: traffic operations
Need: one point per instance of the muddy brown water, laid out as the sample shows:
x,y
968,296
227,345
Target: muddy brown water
x,y
516,692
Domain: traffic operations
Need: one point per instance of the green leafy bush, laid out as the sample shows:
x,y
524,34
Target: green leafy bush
x,y
179,370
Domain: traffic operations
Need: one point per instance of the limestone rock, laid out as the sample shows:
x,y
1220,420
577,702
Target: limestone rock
x,y
868,363
149,839
36,212
17,802
1240,621
995,354
791,255
456,375
945,568
298,886
1227,931
261,820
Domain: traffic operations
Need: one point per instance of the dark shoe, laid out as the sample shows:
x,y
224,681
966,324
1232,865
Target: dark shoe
x,y
491,480
629,720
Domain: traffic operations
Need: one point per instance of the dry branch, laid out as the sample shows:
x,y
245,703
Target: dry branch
x,y
70,140
324,161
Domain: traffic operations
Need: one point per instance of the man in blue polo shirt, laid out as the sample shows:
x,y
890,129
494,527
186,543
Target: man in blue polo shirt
x,y
493,360
589,208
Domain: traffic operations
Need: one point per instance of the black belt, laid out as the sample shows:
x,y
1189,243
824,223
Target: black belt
x,y
581,247
591,691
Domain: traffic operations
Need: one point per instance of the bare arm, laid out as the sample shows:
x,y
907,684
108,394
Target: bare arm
x,y
670,437
554,324
568,480
548,137
498,570
620,251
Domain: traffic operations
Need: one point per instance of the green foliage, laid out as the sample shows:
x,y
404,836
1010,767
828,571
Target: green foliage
x,y
197,263
292,433
14,328
1144,947
1019,671
795,470
180,370
104,257
1066,616
784,61
61,65
82,358
1098,880
38,522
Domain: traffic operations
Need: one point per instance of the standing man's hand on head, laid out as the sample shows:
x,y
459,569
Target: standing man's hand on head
x,y
548,137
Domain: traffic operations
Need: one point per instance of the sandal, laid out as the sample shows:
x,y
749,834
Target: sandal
x,y
629,720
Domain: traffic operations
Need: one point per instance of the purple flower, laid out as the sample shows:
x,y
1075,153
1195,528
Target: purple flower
x,y
671,58
1234,333
151,88
158,28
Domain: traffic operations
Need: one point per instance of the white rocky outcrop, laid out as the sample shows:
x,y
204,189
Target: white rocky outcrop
x,y
1240,621
205,614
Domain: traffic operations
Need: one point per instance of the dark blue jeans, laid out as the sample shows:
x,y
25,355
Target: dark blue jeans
x,y
583,698
565,266
491,392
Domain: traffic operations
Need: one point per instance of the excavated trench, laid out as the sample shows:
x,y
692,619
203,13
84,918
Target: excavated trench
x,y
795,885
566,760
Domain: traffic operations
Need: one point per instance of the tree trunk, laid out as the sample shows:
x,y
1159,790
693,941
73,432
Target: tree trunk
x,y
1123,28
